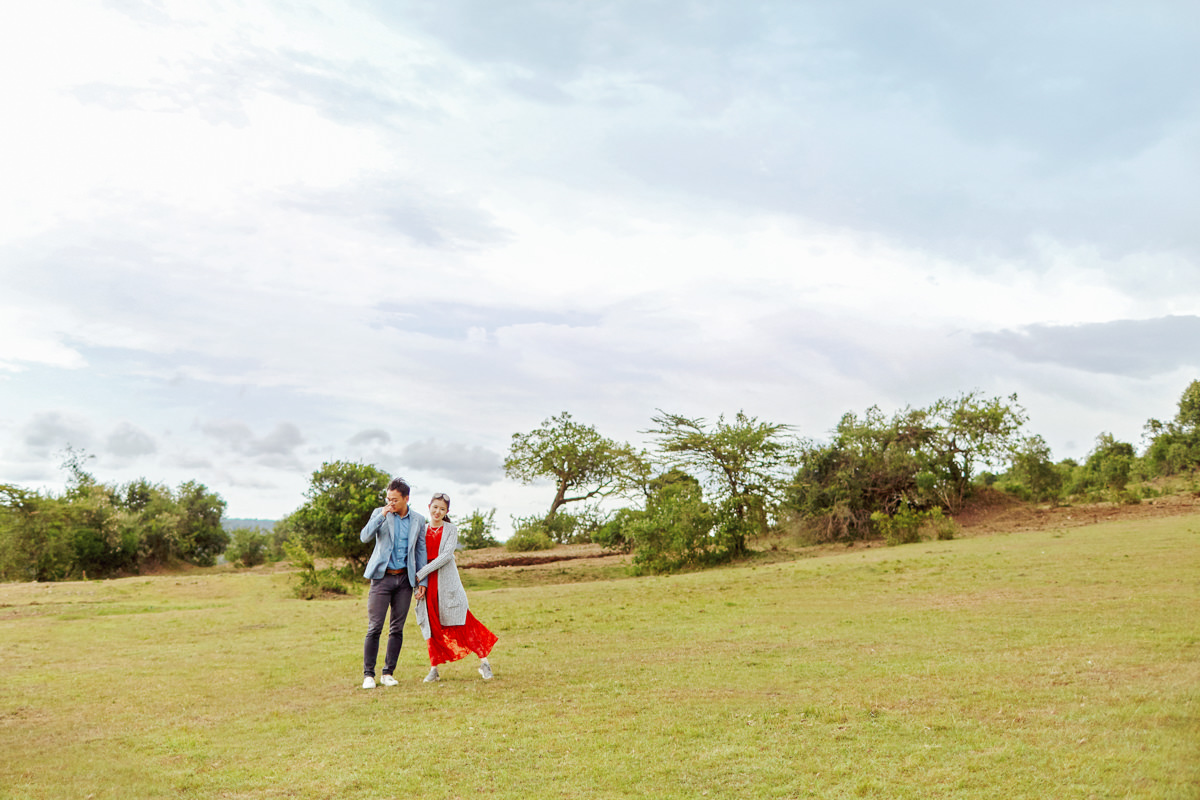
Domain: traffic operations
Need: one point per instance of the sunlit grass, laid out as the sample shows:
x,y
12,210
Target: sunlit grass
x,y
1058,664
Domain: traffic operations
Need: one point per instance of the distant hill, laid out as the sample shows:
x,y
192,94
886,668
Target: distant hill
x,y
263,524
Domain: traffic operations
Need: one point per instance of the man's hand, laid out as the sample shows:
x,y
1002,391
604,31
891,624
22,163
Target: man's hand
x,y
420,595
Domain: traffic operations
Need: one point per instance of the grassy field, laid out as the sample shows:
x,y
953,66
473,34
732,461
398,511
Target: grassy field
x,y
1052,664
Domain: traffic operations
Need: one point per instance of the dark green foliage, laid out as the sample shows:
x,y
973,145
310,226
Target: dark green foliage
x,y
341,497
1032,475
1107,469
919,458
531,537
969,430
744,464
281,533
35,538
679,530
248,547
873,464
199,536
97,530
616,534
478,530
1175,445
563,527
908,525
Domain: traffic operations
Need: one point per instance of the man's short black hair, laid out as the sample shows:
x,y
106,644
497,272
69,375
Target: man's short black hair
x,y
399,485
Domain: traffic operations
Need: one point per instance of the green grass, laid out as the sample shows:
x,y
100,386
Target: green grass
x,y
1056,664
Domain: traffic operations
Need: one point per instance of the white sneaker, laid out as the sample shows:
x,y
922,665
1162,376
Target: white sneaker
x,y
368,682
432,676
388,680
485,669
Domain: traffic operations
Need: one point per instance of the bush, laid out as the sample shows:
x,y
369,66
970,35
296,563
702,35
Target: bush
x,y
478,530
909,525
248,547
527,539
342,495
903,527
939,525
679,530
313,583
617,534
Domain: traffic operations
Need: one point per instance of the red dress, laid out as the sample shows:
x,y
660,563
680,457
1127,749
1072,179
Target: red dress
x,y
451,642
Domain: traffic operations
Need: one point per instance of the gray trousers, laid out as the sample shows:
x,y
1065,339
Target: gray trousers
x,y
394,592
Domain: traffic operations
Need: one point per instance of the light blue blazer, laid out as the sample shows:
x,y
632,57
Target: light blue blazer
x,y
380,528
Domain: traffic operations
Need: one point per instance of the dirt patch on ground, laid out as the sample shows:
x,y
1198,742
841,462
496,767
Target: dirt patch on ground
x,y
491,557
991,511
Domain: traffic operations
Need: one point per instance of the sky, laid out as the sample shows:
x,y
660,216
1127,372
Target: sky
x,y
240,239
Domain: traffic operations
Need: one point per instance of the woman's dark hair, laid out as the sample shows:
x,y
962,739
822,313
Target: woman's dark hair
x,y
399,485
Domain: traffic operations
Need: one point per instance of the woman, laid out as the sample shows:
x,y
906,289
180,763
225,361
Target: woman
x,y
445,620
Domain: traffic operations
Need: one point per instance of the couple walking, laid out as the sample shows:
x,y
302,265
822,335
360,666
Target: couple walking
x,y
400,569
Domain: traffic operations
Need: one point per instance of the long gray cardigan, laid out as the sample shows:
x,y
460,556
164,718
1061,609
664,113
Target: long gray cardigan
x,y
452,597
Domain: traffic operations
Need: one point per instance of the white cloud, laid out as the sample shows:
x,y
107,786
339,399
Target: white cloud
x,y
50,432
464,464
370,436
246,239
128,441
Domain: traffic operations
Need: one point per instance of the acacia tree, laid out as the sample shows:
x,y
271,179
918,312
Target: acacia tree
x,y
969,430
745,464
582,464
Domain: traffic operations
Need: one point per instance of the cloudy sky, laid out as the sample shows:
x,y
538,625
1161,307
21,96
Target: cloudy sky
x,y
240,238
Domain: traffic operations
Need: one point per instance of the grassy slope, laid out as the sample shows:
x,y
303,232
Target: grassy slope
x,y
1058,664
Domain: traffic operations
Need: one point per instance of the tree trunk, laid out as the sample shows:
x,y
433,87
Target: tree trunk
x,y
559,500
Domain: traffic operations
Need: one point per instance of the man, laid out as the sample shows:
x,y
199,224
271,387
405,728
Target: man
x,y
399,535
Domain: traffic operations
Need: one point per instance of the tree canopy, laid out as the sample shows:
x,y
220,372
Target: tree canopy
x,y
919,458
100,530
341,496
744,463
582,464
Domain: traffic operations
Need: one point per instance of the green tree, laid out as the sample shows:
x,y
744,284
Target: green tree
x,y
1175,445
1108,466
1033,470
582,464
873,464
248,547
745,463
478,530
917,459
969,430
678,529
35,537
341,497
199,535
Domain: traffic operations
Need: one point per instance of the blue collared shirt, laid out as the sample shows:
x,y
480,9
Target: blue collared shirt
x,y
400,529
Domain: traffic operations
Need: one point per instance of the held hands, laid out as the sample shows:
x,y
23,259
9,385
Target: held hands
x,y
420,593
